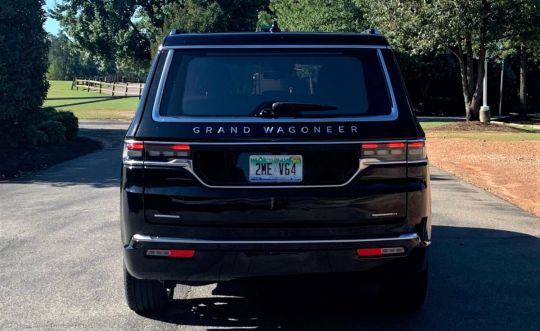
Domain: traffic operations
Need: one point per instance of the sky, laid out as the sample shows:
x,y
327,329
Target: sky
x,y
51,25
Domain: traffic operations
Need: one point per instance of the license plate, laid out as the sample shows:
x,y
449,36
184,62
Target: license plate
x,y
275,168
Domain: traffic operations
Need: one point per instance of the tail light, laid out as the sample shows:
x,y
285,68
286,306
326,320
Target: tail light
x,y
133,151
416,151
155,152
395,151
391,151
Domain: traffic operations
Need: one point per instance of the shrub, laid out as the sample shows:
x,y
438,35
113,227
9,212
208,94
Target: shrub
x,y
35,136
40,120
23,65
56,132
70,122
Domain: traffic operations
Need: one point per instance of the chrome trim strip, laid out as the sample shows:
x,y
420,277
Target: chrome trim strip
x,y
166,216
278,46
356,142
394,113
161,85
169,240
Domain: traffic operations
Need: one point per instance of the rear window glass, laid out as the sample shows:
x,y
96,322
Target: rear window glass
x,y
239,84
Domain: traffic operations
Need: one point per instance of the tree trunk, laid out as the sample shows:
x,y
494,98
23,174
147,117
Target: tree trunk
x,y
476,100
463,70
523,82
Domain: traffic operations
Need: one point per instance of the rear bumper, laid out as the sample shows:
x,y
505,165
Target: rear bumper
x,y
216,260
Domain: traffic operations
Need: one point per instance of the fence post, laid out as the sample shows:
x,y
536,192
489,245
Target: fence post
x,y
72,83
113,88
140,89
88,85
125,94
100,87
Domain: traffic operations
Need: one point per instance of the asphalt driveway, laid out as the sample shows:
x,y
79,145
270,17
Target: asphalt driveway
x,y
60,264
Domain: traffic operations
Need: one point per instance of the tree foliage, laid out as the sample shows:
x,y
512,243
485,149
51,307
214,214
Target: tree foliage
x,y
465,28
309,15
124,32
23,65
195,15
66,61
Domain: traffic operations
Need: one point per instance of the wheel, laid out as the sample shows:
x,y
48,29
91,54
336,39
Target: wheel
x,y
409,293
146,296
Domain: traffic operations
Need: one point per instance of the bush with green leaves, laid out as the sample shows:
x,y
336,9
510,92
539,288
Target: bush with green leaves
x,y
23,65
49,126
56,131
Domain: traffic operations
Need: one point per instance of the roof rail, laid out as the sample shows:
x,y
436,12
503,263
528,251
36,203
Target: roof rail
x,y
176,31
373,31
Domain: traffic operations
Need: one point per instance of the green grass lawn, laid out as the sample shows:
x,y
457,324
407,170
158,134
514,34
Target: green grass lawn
x,y
89,105
517,135
429,125
487,136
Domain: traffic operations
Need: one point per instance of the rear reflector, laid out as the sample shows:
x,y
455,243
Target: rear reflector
x,y
372,252
172,253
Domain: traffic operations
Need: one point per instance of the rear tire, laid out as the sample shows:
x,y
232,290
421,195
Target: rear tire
x,y
146,296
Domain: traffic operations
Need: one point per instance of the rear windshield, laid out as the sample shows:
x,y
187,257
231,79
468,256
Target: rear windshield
x,y
240,84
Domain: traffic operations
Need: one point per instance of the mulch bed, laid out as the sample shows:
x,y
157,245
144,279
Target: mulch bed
x,y
474,126
14,162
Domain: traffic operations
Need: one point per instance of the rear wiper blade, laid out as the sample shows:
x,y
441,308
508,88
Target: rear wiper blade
x,y
298,106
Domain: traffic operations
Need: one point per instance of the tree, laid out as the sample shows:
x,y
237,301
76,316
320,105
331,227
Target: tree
x,y
465,28
309,15
522,37
66,61
23,65
195,15
107,29
124,31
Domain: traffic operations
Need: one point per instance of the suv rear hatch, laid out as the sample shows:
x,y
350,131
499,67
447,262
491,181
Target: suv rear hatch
x,y
245,161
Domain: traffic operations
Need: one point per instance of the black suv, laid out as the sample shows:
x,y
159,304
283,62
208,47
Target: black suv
x,y
265,154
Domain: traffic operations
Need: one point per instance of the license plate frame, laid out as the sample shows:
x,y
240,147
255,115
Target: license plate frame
x,y
276,168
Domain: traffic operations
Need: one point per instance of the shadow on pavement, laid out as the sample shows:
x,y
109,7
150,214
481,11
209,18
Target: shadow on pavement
x,y
99,169
479,279
95,100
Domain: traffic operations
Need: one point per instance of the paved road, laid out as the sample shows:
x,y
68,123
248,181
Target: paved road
x,y
60,264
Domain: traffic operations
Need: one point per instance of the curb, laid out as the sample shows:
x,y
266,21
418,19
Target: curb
x,y
529,127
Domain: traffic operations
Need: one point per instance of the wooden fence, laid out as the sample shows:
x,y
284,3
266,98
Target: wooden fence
x,y
113,89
